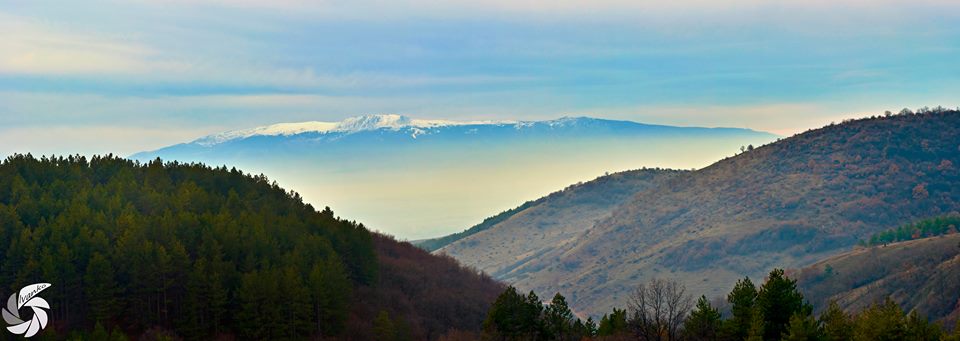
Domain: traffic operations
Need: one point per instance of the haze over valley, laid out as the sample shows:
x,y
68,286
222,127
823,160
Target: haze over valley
x,y
416,178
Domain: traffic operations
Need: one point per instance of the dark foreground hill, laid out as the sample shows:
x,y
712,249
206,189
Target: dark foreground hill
x,y
200,253
786,204
921,275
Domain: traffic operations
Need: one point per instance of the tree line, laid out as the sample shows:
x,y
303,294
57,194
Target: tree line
x,y
662,310
176,249
930,227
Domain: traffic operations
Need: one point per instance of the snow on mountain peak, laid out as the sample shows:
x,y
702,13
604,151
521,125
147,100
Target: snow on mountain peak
x,y
348,125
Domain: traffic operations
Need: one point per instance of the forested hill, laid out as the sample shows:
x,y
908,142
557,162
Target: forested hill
x,y
199,252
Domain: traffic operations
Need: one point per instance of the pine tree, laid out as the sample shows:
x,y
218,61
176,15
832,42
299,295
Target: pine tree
x,y
920,329
837,324
298,310
778,299
532,316
742,299
703,323
803,327
505,319
757,328
882,321
590,327
99,332
101,288
383,328
331,295
613,324
194,317
117,335
558,318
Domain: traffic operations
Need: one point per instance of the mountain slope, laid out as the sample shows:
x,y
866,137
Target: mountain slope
x,y
921,275
786,204
551,221
203,253
408,176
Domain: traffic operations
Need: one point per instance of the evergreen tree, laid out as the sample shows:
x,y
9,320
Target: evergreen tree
x,y
757,326
742,300
704,321
918,328
101,289
117,335
331,295
532,318
803,327
298,309
837,325
99,332
590,327
558,319
882,321
505,319
514,316
613,324
778,299
383,328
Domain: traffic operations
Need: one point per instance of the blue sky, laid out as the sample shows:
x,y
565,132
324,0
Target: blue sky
x,y
124,76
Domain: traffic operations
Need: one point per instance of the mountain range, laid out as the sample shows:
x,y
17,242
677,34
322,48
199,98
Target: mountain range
x,y
409,177
789,203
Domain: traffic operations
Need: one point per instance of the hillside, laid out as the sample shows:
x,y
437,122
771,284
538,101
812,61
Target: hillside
x,y
200,253
789,204
501,243
409,176
921,275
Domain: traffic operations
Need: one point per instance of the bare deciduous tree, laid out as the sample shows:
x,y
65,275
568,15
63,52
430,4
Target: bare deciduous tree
x,y
659,308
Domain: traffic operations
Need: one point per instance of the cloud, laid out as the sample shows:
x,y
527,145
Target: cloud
x,y
37,48
29,47
89,139
545,9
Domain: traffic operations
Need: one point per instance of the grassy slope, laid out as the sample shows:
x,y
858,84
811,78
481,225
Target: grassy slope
x,y
921,274
550,221
786,204
434,244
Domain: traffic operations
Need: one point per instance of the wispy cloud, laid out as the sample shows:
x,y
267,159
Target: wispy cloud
x,y
780,66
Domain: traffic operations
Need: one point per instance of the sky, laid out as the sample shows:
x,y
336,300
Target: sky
x,y
119,77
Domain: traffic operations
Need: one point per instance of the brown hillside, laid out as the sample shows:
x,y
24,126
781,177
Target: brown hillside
x,y
551,221
921,275
427,296
786,204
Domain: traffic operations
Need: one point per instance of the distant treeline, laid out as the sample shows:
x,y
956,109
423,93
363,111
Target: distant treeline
x,y
662,310
922,229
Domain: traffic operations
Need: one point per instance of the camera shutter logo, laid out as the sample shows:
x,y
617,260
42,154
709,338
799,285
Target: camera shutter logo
x,y
27,297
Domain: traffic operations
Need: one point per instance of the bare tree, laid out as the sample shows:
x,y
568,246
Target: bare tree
x,y
659,308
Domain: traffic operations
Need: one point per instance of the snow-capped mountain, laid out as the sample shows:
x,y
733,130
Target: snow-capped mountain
x,y
350,125
422,177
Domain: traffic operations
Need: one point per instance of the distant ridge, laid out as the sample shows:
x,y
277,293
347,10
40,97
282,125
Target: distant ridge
x,y
785,204
416,178
606,191
348,125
